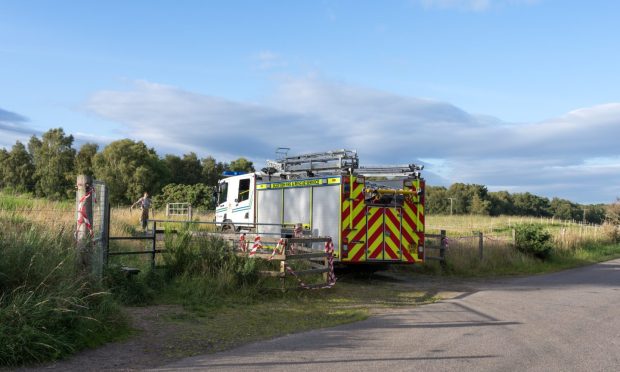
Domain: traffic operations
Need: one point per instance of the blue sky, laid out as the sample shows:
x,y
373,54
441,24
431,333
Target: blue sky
x,y
521,95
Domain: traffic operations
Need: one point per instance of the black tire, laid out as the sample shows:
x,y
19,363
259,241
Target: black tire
x,y
228,227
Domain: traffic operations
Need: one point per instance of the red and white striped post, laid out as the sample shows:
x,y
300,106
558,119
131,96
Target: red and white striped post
x,y
84,218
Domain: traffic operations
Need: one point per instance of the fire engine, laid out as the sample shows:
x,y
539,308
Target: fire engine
x,y
372,214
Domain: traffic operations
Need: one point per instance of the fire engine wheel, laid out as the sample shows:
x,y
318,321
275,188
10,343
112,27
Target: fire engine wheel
x,y
228,226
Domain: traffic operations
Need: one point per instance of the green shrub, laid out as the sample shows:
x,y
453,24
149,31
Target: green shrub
x,y
200,196
534,240
204,272
130,289
208,257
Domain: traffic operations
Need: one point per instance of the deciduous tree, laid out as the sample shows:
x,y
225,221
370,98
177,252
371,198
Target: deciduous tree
x,y
84,159
212,170
129,168
53,158
19,170
241,165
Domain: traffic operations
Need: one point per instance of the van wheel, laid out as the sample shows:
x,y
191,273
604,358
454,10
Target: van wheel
x,y
228,226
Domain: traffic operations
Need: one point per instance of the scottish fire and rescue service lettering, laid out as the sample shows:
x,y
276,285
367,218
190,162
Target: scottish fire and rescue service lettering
x,y
300,183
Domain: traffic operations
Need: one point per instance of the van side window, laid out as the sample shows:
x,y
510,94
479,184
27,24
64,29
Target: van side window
x,y
244,190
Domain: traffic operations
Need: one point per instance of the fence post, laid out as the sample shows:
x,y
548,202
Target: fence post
x,y
480,244
154,245
282,275
83,213
442,249
106,229
190,212
514,237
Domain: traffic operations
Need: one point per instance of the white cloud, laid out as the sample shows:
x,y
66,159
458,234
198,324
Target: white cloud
x,y
553,157
267,60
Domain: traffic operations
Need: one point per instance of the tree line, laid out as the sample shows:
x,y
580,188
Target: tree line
x,y
476,199
47,167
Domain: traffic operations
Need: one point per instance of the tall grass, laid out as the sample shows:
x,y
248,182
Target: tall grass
x,y
205,272
48,310
573,244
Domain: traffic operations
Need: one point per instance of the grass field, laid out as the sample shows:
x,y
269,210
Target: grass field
x,y
42,303
574,244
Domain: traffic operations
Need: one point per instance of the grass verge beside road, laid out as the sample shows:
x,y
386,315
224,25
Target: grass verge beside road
x,y
168,330
505,260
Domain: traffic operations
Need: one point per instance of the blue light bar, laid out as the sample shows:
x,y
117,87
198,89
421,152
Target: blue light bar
x,y
233,173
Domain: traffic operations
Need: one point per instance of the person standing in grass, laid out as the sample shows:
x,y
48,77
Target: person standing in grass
x,y
145,205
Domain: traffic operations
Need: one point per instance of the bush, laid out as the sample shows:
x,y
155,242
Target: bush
x,y
200,196
534,240
612,232
205,272
210,257
128,289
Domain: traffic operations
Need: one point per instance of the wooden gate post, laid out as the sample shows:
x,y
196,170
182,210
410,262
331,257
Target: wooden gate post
x,y
442,249
481,244
84,216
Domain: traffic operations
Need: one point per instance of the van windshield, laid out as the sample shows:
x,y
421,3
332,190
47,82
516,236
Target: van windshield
x,y
223,194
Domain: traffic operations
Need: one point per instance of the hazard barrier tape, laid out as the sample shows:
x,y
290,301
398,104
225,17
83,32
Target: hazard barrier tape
x,y
298,232
331,276
279,248
256,246
243,243
82,217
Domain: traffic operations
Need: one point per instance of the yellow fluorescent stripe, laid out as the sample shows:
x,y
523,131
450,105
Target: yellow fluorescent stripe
x,y
377,244
374,244
394,246
357,190
395,232
414,217
391,225
358,209
419,221
356,248
361,225
378,224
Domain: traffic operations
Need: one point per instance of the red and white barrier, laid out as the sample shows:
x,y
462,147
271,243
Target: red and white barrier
x,y
82,217
279,248
257,245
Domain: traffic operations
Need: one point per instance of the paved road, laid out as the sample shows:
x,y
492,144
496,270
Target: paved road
x,y
567,321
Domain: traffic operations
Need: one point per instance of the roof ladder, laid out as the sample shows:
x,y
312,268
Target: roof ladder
x,y
315,163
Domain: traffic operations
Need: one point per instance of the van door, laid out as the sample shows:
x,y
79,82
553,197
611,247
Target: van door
x,y
221,209
242,206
